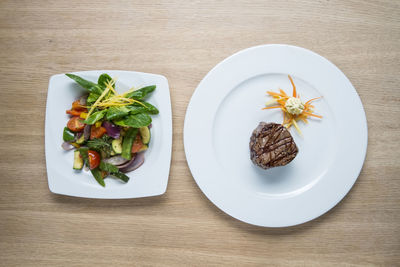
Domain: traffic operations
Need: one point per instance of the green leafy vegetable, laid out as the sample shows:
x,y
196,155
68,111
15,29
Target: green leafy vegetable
x,y
127,142
88,85
145,108
103,80
118,113
92,98
113,170
136,109
68,135
104,166
114,113
141,93
136,120
98,176
96,90
121,176
149,108
96,116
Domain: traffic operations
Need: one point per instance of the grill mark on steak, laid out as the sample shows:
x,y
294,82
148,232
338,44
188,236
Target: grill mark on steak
x,y
271,145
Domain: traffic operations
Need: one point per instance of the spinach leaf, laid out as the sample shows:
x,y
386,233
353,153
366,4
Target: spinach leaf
x,y
92,97
114,113
136,108
88,85
104,166
134,120
141,93
96,90
133,109
96,116
149,108
98,176
103,79
121,176
127,143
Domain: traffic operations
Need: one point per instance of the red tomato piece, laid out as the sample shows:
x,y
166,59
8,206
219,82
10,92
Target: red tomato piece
x,y
97,132
137,144
75,124
94,159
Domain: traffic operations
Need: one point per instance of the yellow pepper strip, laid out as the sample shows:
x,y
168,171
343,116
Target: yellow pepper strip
x,y
110,84
272,101
129,91
136,101
297,127
98,100
117,99
112,105
114,100
75,145
83,115
98,124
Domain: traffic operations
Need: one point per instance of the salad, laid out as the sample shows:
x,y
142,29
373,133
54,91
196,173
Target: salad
x,y
109,132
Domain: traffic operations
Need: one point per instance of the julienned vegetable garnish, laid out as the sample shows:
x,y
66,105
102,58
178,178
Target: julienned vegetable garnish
x,y
292,107
110,131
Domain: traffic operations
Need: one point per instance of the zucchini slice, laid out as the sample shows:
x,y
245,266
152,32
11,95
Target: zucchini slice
x,y
78,161
145,133
117,145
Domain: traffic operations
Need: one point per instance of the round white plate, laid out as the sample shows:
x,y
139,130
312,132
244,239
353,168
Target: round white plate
x,y
225,109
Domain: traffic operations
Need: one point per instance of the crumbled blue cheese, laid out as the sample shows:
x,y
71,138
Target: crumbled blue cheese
x,y
294,106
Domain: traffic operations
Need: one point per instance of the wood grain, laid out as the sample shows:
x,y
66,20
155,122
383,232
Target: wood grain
x,y
183,41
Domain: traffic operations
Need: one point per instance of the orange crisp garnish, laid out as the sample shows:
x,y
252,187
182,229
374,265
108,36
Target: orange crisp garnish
x,y
297,109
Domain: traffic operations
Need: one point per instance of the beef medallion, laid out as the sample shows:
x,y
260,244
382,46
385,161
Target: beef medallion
x,y
271,145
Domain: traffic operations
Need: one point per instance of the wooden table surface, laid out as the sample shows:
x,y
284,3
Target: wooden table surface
x,y
183,40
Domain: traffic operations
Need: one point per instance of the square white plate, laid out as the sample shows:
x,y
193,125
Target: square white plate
x,y
150,179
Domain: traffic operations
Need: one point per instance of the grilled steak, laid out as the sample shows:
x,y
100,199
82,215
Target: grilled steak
x,y
271,145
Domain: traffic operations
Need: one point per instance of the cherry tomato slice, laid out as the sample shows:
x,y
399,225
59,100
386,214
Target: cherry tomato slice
x,y
94,159
137,144
75,124
97,132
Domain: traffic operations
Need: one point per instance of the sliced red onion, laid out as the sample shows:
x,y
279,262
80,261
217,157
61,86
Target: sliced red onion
x,y
135,163
86,131
126,164
116,160
112,129
78,135
86,168
67,146
150,125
